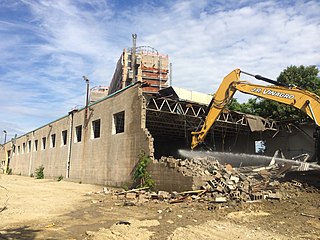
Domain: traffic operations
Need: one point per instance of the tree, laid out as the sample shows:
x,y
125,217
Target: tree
x,y
234,105
303,77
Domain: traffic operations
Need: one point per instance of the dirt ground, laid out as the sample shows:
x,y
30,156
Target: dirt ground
x,y
47,209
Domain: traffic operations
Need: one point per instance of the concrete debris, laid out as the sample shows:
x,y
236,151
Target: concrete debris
x,y
226,184
192,167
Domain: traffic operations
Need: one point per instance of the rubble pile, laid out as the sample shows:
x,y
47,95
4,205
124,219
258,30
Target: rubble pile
x,y
231,184
226,184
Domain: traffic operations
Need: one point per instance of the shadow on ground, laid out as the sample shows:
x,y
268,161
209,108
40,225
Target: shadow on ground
x,y
311,178
22,233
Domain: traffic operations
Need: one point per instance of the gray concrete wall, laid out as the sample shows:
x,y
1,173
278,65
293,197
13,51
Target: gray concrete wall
x,y
170,179
292,143
25,159
109,159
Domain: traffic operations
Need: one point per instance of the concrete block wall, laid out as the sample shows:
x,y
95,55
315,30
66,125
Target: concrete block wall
x,y
26,157
169,179
108,159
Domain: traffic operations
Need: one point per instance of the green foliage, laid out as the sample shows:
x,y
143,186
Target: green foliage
x,y
303,77
125,187
141,174
39,172
9,172
234,105
60,178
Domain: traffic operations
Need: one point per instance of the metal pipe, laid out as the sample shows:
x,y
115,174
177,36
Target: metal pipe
x,y
159,63
170,74
87,101
5,136
70,142
31,154
133,57
87,93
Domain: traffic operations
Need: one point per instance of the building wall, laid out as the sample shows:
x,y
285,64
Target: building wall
x,y
25,158
108,159
111,158
297,141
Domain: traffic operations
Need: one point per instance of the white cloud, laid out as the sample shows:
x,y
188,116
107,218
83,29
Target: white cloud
x,y
46,46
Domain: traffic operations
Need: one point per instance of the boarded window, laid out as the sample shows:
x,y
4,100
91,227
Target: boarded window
x,y
35,145
78,133
53,140
96,128
44,143
118,123
64,137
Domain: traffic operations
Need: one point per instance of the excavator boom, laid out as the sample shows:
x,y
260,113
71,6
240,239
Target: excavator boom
x,y
293,96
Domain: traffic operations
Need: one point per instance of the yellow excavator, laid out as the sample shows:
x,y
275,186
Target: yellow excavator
x,y
301,99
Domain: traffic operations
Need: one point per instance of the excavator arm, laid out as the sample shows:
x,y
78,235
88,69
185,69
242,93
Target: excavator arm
x,y
293,96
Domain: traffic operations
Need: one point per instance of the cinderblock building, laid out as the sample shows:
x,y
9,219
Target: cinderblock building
x,y
100,142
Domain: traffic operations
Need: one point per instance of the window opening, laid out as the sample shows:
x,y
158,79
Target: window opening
x,y
78,133
29,146
260,146
44,143
96,128
64,137
23,147
53,140
118,120
35,145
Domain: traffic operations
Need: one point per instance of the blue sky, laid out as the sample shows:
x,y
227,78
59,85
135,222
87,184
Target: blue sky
x,y
48,45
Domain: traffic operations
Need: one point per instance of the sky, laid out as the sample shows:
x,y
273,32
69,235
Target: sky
x,y
46,46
